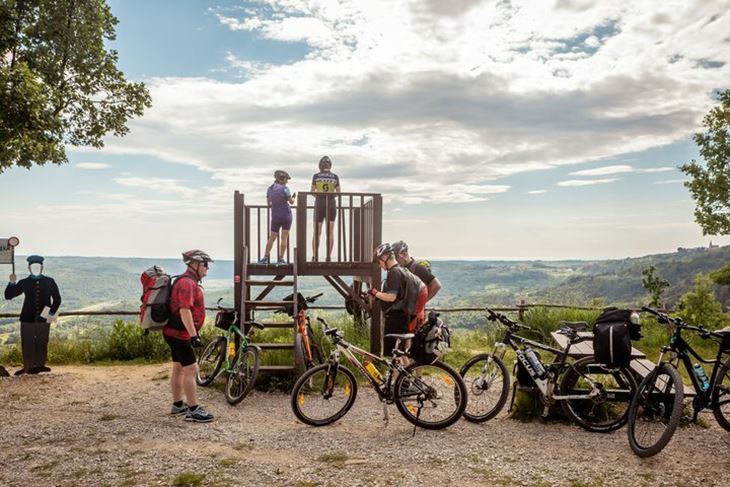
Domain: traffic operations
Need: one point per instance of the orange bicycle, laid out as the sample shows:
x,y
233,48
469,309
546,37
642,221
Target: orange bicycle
x,y
307,352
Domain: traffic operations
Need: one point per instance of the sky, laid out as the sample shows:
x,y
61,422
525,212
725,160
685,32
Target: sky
x,y
493,129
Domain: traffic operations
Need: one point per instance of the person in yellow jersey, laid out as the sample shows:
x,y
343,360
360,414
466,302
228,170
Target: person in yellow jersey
x,y
325,206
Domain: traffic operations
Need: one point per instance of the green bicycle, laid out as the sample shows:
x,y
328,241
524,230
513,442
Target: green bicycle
x,y
232,354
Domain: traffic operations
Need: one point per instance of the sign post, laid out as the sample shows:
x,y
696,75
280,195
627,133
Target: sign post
x,y
7,251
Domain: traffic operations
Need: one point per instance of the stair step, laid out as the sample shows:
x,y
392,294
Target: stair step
x,y
277,368
278,324
275,346
254,282
276,304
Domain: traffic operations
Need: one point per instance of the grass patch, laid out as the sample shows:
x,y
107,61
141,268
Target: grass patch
x,y
228,462
188,479
244,446
493,477
108,417
46,466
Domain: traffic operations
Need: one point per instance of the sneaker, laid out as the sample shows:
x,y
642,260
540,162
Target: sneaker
x,y
20,372
38,370
282,262
3,372
179,410
264,260
200,415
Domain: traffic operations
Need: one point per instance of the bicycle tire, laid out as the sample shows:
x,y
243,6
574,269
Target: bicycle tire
x,y
235,392
476,387
588,413
720,394
311,388
404,402
300,358
218,345
651,404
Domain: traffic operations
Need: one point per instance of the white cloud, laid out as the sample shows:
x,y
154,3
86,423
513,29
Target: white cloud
x,y
537,191
658,169
158,185
585,182
603,171
92,165
671,181
413,98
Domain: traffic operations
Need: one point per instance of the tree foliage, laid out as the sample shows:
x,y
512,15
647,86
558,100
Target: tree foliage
x,y
654,284
59,84
700,306
710,184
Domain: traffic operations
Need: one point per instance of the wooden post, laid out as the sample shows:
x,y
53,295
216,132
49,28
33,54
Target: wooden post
x,y
376,316
237,248
521,310
301,229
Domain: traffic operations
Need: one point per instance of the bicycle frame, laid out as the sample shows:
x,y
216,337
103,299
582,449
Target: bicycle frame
x,y
302,324
242,341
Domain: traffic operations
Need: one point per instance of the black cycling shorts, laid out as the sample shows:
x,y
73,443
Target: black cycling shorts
x,y
395,322
182,351
324,208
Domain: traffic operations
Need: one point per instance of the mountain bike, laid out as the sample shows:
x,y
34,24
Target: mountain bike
x,y
307,353
231,354
656,408
432,396
594,396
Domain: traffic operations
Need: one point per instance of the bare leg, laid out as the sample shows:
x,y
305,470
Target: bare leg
x,y
331,239
176,382
283,241
188,384
315,240
270,243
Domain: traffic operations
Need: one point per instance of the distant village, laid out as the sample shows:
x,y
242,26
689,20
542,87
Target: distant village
x,y
712,246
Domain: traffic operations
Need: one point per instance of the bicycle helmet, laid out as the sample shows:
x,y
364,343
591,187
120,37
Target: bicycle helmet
x,y
400,246
281,177
325,164
383,250
195,256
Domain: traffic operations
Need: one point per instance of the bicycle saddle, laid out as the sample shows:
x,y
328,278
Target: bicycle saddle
x,y
575,325
403,336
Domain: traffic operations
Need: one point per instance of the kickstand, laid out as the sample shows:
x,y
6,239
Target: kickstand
x,y
385,414
418,415
512,402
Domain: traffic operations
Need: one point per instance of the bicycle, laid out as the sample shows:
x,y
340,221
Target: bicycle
x,y
656,409
432,396
591,394
232,354
307,353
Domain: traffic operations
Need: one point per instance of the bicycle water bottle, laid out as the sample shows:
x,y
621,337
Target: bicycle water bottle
x,y
535,363
374,372
701,376
232,350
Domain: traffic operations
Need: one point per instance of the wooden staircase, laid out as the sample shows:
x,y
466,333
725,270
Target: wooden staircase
x,y
249,306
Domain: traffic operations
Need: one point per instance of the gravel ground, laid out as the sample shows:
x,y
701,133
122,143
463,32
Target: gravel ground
x,y
109,426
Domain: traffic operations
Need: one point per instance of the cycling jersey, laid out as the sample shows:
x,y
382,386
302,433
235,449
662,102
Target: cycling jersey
x,y
326,182
421,268
278,195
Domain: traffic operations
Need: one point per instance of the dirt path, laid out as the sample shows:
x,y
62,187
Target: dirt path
x,y
108,426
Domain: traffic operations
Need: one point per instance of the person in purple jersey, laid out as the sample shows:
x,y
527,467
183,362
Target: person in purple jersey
x,y
279,198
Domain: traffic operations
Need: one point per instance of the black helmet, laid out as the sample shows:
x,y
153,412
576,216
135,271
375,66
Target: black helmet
x,y
325,164
281,176
400,246
383,250
195,256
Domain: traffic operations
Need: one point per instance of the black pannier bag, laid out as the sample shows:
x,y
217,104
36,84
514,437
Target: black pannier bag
x,y
224,319
612,335
431,341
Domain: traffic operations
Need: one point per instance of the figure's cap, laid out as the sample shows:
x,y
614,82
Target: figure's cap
x,y
35,259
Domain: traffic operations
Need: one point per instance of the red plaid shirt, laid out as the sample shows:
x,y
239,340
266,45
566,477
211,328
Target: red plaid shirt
x,y
187,294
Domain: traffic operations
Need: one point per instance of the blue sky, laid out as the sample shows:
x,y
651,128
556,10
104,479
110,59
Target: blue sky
x,y
493,129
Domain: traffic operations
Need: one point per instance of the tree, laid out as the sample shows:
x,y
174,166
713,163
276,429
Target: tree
x,y
654,284
700,306
59,84
710,185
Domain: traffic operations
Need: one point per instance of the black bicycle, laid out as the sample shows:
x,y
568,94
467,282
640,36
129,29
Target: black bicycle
x,y
656,408
593,395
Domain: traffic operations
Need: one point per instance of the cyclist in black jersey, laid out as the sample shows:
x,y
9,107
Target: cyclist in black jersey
x,y
421,268
325,206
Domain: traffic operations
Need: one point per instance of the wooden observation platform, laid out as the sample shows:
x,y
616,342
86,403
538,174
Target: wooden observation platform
x,y
357,231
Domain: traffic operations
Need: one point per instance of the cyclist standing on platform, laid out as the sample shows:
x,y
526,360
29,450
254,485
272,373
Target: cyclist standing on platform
x,y
422,269
279,197
325,207
187,315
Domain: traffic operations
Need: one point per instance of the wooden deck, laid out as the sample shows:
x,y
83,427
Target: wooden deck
x,y
640,365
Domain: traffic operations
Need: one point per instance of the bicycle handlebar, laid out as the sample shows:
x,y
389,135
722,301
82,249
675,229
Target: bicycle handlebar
x,y
314,298
678,322
494,316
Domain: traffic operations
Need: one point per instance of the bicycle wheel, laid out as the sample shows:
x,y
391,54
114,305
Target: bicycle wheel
x,y
721,397
655,410
323,394
210,361
431,396
300,355
242,376
487,383
603,409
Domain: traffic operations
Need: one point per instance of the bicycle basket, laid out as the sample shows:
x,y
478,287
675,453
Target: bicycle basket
x,y
224,319
431,341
